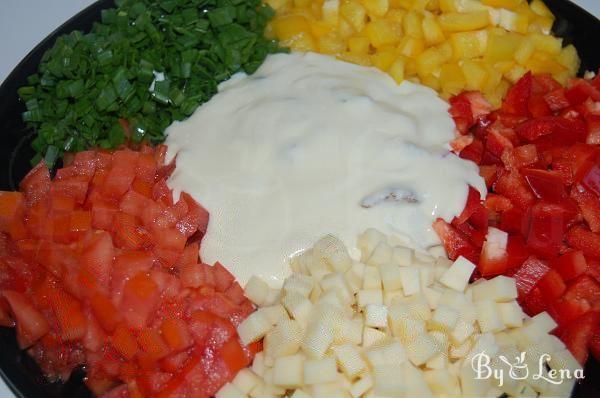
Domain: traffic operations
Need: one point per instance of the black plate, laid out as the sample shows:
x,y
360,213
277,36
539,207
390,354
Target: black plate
x,y
19,371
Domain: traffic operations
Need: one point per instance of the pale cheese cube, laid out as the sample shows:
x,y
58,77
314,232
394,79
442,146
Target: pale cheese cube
x,y
426,275
361,386
406,329
444,318
354,281
439,361
284,339
421,348
410,280
382,254
349,331
457,276
461,351
416,386
320,370
298,283
386,353
245,380
254,328
372,278
275,313
300,394
389,297
256,290
462,331
372,296
433,296
488,316
511,314
298,306
471,385
391,276
258,364
389,381
349,360
371,336
333,251
499,289
544,322
288,371
317,339
376,315
442,382
402,256
368,240
229,391
437,251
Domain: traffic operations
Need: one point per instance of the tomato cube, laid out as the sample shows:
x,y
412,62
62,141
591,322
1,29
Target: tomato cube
x,y
105,311
96,259
36,184
11,207
124,342
31,324
176,334
151,342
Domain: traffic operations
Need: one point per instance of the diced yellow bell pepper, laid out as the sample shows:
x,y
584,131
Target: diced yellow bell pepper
x,y
376,8
467,45
290,26
331,44
382,32
448,5
540,9
330,12
513,21
432,31
278,4
524,51
345,30
397,70
383,59
509,4
359,59
543,63
568,58
412,25
302,3
460,22
452,79
431,81
501,48
540,25
429,62
354,13
358,45
395,15
410,46
515,73
475,74
548,44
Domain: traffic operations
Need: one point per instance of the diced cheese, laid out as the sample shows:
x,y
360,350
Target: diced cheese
x,y
256,290
349,360
386,353
444,318
360,387
511,314
331,250
366,297
376,315
245,380
381,255
372,278
317,339
402,256
371,336
499,289
410,280
488,316
288,371
254,328
457,276
229,391
391,276
320,371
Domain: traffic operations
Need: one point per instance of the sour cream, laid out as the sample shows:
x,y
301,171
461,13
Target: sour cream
x,y
310,145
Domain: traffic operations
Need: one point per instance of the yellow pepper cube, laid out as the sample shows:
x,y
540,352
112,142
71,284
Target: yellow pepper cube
x,y
331,44
452,79
409,4
358,45
475,74
431,81
382,60
509,4
540,9
345,30
515,73
412,25
290,26
543,63
376,8
541,25
330,12
548,44
359,59
278,4
410,67
446,51
382,33
396,70
568,58
467,45
524,51
492,80
460,22
432,31
320,28
395,15
501,48
448,5
513,21
354,13
410,46
302,3
429,62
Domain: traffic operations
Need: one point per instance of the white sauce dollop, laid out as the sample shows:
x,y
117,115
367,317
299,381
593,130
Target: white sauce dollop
x,y
310,145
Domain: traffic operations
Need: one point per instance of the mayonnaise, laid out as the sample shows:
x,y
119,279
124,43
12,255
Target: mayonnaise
x,y
310,145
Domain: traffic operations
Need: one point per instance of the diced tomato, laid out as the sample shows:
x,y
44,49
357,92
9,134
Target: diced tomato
x,y
223,278
176,334
129,233
195,221
455,243
172,363
103,214
545,184
529,274
124,342
583,239
105,311
121,174
96,260
36,184
70,316
551,285
497,203
146,167
189,256
233,355
31,324
11,207
517,98
95,338
134,204
570,265
75,187
151,342
578,335
162,193
235,293
593,129
140,296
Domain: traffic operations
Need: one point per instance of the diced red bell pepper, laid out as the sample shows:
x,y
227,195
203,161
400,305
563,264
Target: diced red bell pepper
x,y
549,221
544,83
583,239
551,285
538,106
516,251
473,151
570,265
473,202
591,179
578,335
545,184
567,131
513,186
496,143
556,100
497,203
493,259
589,204
517,98
595,343
455,242
489,173
593,129
579,91
534,302
521,156
515,221
532,270
565,311
584,288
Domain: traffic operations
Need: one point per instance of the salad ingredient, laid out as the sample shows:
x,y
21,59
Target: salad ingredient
x,y
144,65
423,346
310,143
540,160
450,45
99,267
